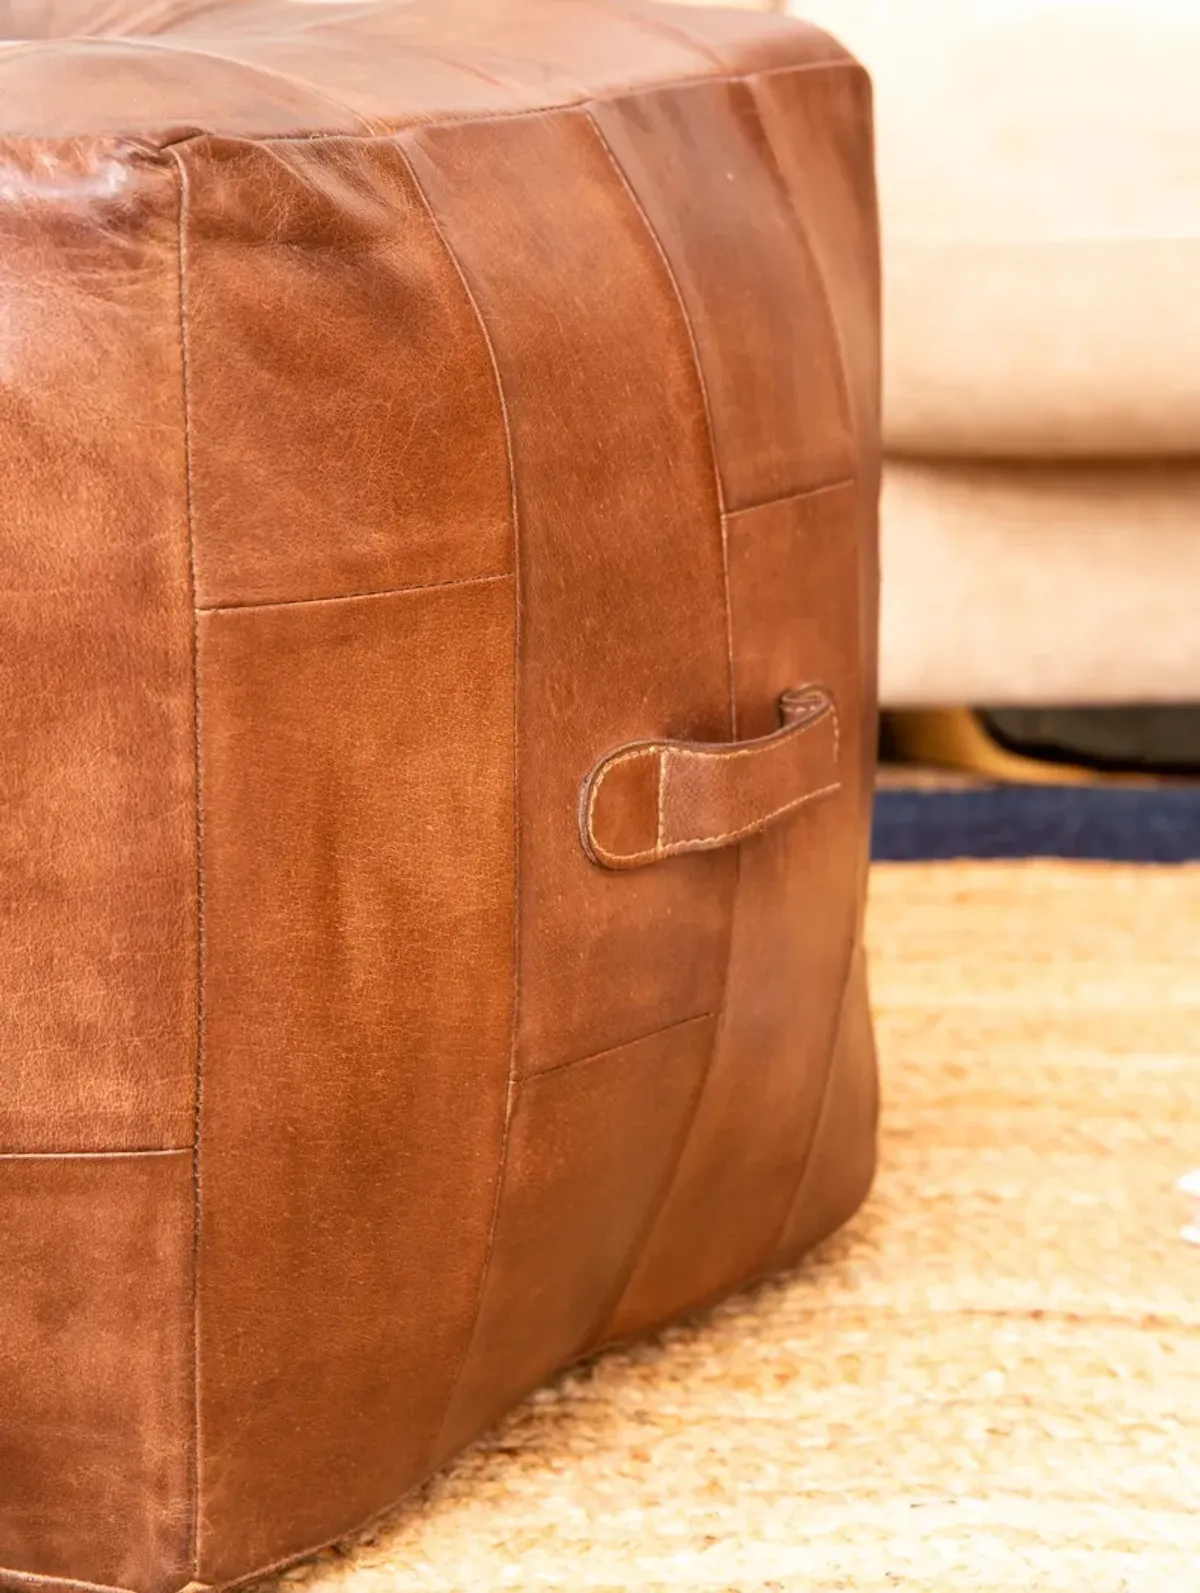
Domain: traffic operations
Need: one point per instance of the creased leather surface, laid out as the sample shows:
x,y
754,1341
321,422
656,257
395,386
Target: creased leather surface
x,y
97,771
95,1254
403,406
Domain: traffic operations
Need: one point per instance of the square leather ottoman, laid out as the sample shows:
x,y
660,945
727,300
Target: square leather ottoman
x,y
439,447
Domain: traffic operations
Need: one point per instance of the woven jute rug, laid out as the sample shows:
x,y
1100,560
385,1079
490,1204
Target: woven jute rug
x,y
990,1381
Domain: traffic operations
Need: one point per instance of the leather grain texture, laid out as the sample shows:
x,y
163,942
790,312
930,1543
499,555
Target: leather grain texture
x,y
405,407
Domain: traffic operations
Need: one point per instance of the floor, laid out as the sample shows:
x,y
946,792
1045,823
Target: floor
x,y
1145,823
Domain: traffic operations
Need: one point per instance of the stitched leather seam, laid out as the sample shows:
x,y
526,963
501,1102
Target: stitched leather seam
x,y
751,828
36,1579
702,384
198,1089
833,325
94,1155
663,778
708,843
800,495
253,68
511,1085
354,597
611,1050
660,827
660,1201
801,1183
582,105
627,859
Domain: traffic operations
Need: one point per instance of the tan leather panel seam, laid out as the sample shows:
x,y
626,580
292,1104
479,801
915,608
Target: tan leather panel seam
x,y
357,597
612,1303
802,496
34,1580
819,1117
656,26
698,365
194,1526
511,1088
157,45
845,396
614,1050
94,1155
661,827
584,103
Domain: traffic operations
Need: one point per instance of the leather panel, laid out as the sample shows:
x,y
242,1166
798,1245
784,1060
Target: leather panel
x,y
358,849
841,1161
589,1150
821,129
329,332
113,88
742,280
234,69
622,589
96,1368
97,793
793,579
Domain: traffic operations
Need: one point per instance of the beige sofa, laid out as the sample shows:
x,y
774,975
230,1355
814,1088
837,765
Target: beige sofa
x,y
1039,170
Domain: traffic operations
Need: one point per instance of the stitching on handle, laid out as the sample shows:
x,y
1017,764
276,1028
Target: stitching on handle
x,y
730,755
664,849
602,852
708,841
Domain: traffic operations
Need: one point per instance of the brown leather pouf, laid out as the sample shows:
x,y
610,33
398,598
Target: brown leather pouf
x,y
439,451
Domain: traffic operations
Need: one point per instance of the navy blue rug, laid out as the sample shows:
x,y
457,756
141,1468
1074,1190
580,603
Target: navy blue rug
x,y
1158,824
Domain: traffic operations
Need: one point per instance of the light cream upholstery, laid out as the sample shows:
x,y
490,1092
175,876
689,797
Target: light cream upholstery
x,y
1039,167
1041,582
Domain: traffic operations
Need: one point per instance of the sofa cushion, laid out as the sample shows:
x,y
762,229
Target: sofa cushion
x,y
1039,583
1041,195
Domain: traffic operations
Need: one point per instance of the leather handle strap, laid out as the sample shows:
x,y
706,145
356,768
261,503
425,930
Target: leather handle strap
x,y
651,800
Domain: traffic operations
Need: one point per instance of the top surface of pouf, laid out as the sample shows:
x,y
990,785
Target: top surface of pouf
x,y
263,68
1040,192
